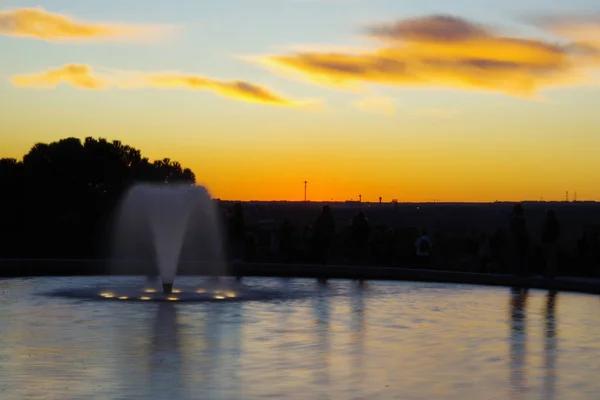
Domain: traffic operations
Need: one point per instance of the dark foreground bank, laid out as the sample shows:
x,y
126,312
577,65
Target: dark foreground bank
x,y
57,267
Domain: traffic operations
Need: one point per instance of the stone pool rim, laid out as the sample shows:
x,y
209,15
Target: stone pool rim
x,y
24,268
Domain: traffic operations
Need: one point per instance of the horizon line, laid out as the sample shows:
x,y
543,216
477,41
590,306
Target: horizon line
x,y
354,202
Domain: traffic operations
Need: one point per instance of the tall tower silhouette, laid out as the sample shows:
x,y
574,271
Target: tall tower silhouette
x,y
305,183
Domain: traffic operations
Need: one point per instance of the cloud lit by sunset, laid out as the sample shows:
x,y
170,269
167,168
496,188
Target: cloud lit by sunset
x,y
299,199
83,77
40,24
468,101
580,29
238,89
446,51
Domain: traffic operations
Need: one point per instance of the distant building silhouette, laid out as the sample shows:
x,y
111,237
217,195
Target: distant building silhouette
x,y
520,239
550,235
323,234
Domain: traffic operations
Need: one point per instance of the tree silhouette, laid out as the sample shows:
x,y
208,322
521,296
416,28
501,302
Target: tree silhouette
x,y
58,201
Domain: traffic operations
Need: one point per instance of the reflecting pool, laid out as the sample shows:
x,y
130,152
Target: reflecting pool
x,y
341,340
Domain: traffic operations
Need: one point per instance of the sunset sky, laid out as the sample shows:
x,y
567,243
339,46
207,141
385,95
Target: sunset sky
x,y
454,101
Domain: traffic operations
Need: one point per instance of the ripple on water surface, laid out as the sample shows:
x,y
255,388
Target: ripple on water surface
x,y
337,341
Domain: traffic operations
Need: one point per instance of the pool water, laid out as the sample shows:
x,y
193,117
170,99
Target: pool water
x,y
343,340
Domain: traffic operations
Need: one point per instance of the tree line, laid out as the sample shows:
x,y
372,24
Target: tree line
x,y
59,199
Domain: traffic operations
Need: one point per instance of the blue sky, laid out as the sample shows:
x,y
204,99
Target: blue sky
x,y
209,37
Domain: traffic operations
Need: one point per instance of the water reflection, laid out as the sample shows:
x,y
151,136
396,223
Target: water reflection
x,y
305,348
518,338
213,343
212,324
323,282
230,350
164,356
550,349
210,335
357,329
321,308
357,310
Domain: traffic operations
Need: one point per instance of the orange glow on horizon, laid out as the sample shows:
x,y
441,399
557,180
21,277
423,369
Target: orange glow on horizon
x,y
516,120
501,170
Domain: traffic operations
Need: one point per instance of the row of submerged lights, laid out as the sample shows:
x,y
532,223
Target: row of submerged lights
x,y
219,295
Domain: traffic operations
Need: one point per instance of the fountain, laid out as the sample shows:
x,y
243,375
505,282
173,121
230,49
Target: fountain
x,y
164,226
164,231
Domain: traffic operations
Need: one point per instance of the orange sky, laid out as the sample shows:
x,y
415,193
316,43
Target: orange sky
x,y
414,107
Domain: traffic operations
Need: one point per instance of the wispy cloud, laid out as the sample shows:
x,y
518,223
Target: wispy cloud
x,y
376,104
581,30
84,77
37,23
451,52
438,28
236,89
